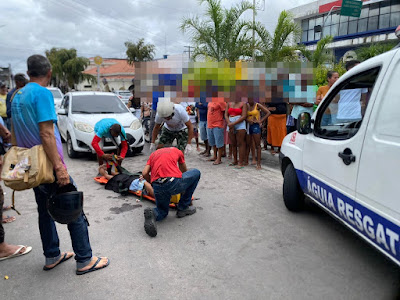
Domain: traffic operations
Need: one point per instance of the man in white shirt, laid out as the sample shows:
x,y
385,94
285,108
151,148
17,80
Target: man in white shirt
x,y
177,126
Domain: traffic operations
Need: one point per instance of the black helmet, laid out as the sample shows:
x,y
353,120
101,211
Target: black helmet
x,y
66,205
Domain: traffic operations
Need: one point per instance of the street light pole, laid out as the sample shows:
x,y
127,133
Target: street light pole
x,y
254,24
321,28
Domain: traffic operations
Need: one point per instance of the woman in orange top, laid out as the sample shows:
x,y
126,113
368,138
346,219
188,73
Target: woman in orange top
x,y
235,116
255,122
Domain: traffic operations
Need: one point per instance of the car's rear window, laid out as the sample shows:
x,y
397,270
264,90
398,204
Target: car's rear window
x,y
97,104
56,93
125,94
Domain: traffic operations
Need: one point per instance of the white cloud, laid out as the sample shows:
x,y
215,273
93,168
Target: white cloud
x,y
100,27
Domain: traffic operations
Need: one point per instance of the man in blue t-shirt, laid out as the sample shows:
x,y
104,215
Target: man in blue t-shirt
x,y
34,119
109,128
202,107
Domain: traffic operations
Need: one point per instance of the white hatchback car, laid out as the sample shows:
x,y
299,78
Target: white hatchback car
x,y
57,95
79,113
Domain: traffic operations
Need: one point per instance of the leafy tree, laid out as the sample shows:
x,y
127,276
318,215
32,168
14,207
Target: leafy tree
x,y
279,46
68,68
139,51
221,35
367,52
321,71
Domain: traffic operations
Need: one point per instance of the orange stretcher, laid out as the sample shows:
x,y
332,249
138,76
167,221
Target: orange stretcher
x,y
103,180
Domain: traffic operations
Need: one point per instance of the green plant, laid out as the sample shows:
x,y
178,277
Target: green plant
x,y
374,49
321,71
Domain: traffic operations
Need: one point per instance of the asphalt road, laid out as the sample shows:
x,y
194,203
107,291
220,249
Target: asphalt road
x,y
241,244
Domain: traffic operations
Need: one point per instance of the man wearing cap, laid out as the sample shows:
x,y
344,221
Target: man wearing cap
x,y
177,126
109,128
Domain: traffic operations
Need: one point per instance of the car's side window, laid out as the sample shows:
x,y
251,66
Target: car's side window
x,y
66,102
342,113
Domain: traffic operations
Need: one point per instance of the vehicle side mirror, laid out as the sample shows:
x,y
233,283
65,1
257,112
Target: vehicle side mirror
x,y
304,123
62,112
132,109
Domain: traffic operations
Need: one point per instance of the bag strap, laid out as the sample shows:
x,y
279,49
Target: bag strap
x,y
13,203
13,138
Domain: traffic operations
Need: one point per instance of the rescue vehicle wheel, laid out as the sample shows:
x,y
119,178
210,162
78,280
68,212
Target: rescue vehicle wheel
x,y
293,196
70,149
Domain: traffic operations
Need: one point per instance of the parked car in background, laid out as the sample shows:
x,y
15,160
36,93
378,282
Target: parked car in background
x,y
57,95
123,95
79,113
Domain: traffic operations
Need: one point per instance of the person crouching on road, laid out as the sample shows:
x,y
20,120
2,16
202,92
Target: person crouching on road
x,y
109,128
177,126
166,170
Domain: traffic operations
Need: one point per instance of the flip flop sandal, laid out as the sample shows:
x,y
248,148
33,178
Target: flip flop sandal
x,y
65,258
17,253
93,268
232,164
214,163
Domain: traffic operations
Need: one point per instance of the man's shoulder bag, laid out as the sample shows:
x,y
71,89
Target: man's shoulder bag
x,y
26,168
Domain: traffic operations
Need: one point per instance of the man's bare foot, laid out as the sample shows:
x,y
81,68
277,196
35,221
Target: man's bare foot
x,y
95,264
7,250
198,149
203,152
212,159
234,163
258,167
217,162
8,219
6,207
244,164
207,154
253,163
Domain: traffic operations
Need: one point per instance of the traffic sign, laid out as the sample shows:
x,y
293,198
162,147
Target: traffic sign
x,y
351,8
98,60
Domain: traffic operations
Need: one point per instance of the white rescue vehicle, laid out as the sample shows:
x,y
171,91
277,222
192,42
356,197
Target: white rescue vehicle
x,y
346,156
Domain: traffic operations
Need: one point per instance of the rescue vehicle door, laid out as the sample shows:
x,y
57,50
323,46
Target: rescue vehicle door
x,y
332,153
378,184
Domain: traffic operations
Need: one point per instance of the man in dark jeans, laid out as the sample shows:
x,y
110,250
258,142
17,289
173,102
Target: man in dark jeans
x,y
34,116
168,179
8,251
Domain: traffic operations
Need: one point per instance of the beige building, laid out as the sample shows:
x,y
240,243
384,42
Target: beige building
x,y
115,71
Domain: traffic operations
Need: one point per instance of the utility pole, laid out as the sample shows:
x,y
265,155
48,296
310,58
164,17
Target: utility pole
x,y
188,50
254,24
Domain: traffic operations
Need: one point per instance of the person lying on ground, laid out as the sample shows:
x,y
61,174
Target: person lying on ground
x,y
136,185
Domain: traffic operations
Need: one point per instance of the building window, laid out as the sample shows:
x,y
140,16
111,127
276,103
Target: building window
x,y
317,35
335,18
326,31
304,36
395,5
394,19
311,35
311,24
384,21
362,25
353,27
385,7
334,30
304,24
364,12
374,10
343,28
327,19
373,23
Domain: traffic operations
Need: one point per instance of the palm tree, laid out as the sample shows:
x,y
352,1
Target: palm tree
x,y
139,51
278,47
222,35
320,55
68,68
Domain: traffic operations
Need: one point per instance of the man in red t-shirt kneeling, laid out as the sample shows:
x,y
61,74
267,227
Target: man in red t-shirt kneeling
x,y
166,170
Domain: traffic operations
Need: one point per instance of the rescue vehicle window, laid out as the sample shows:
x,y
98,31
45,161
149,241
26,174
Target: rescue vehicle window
x,y
341,115
66,102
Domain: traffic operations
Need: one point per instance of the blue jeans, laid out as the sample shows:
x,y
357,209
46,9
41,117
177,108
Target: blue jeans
x,y
48,232
184,186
